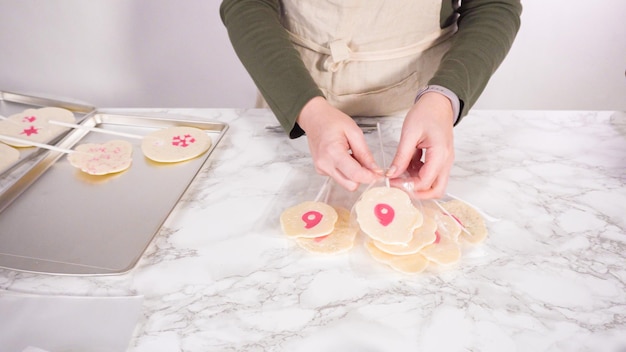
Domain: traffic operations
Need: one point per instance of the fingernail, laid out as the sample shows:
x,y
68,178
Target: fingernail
x,y
391,171
376,169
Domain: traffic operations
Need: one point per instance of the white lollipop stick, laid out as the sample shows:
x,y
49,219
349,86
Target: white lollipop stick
x,y
382,152
323,190
95,129
35,144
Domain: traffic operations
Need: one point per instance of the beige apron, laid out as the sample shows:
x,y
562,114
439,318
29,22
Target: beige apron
x,y
369,57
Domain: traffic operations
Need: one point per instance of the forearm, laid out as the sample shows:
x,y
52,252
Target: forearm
x,y
486,32
264,48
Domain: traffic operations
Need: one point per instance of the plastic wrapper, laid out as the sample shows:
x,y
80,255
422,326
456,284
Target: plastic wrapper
x,y
301,186
458,227
393,226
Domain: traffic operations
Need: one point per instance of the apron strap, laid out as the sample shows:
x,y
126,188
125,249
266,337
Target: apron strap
x,y
339,53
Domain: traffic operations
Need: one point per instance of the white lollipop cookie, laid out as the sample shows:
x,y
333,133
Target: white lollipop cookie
x,y
340,240
308,219
175,144
33,125
101,159
387,215
446,224
408,264
444,251
422,236
475,229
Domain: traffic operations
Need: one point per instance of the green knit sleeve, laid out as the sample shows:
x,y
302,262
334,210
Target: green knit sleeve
x,y
486,30
264,49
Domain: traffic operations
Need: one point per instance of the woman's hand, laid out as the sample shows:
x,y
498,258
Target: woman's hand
x,y
337,145
427,132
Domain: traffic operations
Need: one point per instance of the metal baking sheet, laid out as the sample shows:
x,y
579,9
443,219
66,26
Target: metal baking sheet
x,y
13,103
59,220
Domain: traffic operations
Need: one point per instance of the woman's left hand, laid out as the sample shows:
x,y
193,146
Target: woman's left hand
x,y
427,131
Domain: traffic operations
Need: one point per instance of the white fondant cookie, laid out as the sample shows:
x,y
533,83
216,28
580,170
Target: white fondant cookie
x,y
443,251
446,225
408,264
340,240
308,219
470,219
175,144
422,236
8,156
33,125
102,159
387,215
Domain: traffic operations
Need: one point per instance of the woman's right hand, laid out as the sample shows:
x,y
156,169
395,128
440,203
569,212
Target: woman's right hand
x,y
337,145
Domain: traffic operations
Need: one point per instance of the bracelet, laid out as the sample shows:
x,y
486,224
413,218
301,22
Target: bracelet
x,y
454,99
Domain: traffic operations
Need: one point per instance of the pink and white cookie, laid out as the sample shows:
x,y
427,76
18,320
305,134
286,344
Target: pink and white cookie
x,y
340,240
408,264
175,144
308,219
387,215
473,224
33,125
446,224
101,159
422,237
444,251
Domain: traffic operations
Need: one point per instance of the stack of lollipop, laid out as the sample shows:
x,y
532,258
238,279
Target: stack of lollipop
x,y
319,227
410,237
403,233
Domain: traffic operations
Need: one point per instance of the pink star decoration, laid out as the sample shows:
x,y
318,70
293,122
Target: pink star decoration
x,y
29,131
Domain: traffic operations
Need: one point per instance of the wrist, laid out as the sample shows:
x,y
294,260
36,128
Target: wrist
x,y
309,110
438,106
454,100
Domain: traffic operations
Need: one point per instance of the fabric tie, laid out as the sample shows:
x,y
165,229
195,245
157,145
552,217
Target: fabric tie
x,y
339,55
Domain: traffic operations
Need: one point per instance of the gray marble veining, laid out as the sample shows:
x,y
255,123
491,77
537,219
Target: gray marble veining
x,y
550,277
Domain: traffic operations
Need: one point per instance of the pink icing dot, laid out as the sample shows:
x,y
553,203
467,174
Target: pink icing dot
x,y
384,213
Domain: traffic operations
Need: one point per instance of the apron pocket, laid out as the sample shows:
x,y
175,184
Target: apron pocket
x,y
386,101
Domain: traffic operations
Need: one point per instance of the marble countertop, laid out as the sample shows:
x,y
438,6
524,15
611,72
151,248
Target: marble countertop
x,y
551,276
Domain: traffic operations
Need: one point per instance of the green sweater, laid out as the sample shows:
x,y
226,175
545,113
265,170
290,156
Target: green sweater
x,y
486,30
